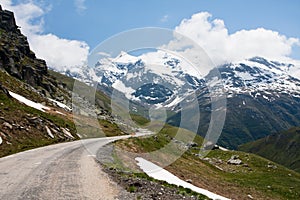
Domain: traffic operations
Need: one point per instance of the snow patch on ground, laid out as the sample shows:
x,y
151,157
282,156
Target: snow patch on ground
x,y
176,101
223,148
1,140
59,104
128,91
159,173
28,102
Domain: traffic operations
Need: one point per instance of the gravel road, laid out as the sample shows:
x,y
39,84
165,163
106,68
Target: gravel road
x,y
61,171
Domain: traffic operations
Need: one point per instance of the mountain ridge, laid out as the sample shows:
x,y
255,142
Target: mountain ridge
x,y
259,92
282,147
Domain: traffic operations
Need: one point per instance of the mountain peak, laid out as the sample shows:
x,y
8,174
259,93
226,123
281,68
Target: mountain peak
x,y
258,75
7,20
124,57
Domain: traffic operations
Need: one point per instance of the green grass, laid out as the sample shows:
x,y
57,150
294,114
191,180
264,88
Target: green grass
x,y
18,87
120,168
19,140
101,99
234,181
139,119
110,128
131,189
280,179
282,147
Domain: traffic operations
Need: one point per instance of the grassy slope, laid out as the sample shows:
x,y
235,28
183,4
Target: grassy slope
x,y
282,147
100,98
236,182
14,112
32,135
18,87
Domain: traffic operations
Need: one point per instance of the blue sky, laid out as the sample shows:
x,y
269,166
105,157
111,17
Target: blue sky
x,y
79,25
102,19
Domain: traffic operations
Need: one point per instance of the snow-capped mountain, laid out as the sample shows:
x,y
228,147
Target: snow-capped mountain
x,y
155,78
158,77
259,77
263,96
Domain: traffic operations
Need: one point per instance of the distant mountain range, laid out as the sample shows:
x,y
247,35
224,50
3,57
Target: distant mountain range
x,y
262,99
155,78
39,107
262,96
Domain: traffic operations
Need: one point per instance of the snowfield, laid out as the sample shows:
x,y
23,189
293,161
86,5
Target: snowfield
x,y
28,102
159,173
59,104
39,106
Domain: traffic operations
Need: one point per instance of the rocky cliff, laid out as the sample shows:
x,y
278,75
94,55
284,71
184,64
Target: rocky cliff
x,y
19,61
23,126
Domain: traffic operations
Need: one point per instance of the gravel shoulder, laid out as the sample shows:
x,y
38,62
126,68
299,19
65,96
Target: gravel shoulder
x,y
138,185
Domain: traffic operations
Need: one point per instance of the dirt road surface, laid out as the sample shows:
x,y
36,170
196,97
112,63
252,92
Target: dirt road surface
x,y
61,171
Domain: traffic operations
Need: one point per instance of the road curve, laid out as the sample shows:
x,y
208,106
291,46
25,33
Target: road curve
x,y
60,171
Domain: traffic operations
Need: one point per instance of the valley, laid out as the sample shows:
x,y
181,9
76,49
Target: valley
x,y
84,131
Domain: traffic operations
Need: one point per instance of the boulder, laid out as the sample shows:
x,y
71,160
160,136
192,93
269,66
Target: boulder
x,y
8,125
234,160
191,144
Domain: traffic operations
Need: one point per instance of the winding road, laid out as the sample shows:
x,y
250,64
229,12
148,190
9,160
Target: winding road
x,y
60,171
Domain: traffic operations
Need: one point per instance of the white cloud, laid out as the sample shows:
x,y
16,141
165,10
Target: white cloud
x,y
165,18
59,53
80,6
24,13
221,47
104,54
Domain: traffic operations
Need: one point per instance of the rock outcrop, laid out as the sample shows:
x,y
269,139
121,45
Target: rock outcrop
x,y
18,60
234,160
7,20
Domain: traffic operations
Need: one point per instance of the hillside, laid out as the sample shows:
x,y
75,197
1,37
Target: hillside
x,y
262,98
254,178
36,103
258,92
25,79
282,147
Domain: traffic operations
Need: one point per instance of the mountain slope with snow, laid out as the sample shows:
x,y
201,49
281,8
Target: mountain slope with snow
x,y
262,95
257,76
155,78
262,98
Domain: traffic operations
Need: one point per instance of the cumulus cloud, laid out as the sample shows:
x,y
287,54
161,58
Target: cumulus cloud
x,y
59,53
212,35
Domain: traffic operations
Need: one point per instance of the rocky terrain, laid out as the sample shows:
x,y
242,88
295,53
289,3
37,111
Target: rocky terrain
x,y
19,61
40,111
140,186
231,174
259,91
22,74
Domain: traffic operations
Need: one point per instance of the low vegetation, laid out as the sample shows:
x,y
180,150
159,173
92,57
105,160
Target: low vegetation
x,y
23,127
255,177
282,147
